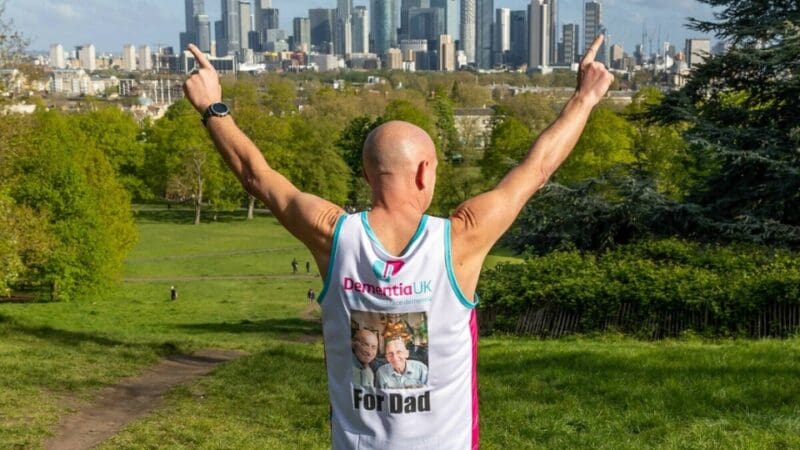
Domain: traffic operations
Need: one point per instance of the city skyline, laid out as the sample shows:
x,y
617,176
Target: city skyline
x,y
151,22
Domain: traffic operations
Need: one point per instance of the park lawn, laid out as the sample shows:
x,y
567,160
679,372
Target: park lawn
x,y
580,392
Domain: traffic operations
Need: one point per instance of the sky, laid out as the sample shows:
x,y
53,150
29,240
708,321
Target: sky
x,y
111,24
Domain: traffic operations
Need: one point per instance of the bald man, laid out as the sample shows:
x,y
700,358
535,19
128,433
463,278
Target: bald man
x,y
365,348
395,259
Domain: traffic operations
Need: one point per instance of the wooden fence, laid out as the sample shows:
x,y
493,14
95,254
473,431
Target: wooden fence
x,y
774,320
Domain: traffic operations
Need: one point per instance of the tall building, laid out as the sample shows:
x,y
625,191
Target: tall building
x,y
57,60
406,6
447,53
301,28
468,29
570,47
203,26
383,29
343,33
426,23
232,26
616,56
145,59
450,8
553,57
697,50
129,58
271,19
360,24
592,22
220,44
538,33
87,57
244,23
518,51
322,21
501,43
394,59
484,16
192,8
259,17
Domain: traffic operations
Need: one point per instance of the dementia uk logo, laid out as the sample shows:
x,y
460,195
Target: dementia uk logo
x,y
385,270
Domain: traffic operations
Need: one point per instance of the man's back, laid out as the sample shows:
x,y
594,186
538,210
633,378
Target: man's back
x,y
425,395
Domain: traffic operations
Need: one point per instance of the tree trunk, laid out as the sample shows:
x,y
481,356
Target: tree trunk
x,y
198,201
251,205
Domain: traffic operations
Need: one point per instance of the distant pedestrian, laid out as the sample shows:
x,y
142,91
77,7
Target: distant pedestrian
x,y
311,295
295,264
308,266
173,293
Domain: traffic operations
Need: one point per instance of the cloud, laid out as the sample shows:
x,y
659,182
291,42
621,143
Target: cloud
x,y
66,12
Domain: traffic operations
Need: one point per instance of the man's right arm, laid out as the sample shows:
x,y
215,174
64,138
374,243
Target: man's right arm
x,y
309,218
479,222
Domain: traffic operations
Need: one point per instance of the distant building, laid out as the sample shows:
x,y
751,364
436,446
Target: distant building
x,y
484,16
360,26
244,23
447,53
129,58
145,59
538,34
518,52
383,27
321,21
57,60
592,23
570,48
697,50
468,29
343,33
393,59
616,56
203,25
450,12
501,43
87,57
474,125
301,33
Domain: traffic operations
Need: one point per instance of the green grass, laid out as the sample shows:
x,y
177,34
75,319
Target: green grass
x,y
582,392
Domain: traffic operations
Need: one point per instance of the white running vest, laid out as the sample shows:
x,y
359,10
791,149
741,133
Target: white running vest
x,y
400,342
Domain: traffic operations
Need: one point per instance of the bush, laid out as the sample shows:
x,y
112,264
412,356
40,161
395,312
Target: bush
x,y
652,288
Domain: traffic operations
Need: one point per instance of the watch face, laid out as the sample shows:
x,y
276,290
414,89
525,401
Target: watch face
x,y
219,109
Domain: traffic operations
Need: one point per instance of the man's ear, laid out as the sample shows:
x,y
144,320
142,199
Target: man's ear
x,y
422,170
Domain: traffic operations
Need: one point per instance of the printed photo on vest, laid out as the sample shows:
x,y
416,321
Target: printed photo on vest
x,y
390,351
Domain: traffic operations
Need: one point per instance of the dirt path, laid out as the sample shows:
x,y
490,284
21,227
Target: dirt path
x,y
132,398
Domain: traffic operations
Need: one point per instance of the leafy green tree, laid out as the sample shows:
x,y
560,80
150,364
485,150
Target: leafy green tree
x,y
509,143
185,165
55,172
12,42
606,142
742,116
118,136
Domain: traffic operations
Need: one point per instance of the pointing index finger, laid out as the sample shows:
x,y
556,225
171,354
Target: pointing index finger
x,y
591,53
199,57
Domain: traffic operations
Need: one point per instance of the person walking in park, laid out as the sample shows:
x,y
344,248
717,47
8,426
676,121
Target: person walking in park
x,y
294,265
311,295
396,259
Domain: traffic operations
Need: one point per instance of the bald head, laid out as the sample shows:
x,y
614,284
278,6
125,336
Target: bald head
x,y
395,148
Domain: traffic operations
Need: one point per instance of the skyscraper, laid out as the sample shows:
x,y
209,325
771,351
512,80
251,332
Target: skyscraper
x,y
538,33
203,26
192,8
322,22
592,21
145,58
697,50
343,34
129,58
426,23
502,36
468,29
518,52
220,44
450,8
447,53
484,15
383,32
87,57
57,56
232,26
553,31
302,32
360,24
244,23
571,38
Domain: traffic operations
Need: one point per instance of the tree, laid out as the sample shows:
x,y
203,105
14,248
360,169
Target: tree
x,y
742,119
12,42
508,144
185,165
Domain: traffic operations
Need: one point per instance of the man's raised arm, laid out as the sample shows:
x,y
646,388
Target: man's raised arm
x,y
308,217
479,222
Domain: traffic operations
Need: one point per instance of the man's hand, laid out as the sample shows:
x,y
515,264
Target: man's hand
x,y
202,88
593,78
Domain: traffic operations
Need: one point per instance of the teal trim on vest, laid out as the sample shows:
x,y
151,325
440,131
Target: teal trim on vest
x,y
332,259
448,260
371,234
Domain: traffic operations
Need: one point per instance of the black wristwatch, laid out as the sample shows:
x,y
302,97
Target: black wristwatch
x,y
218,109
